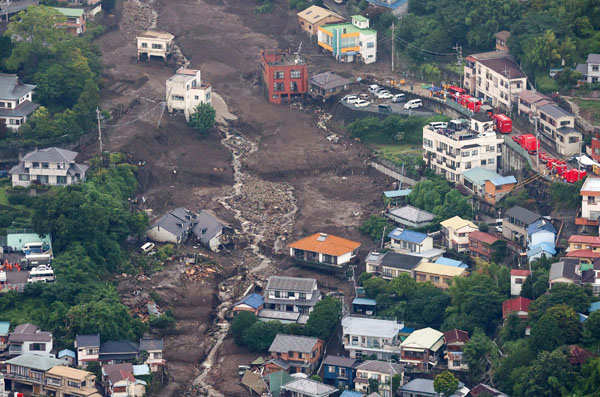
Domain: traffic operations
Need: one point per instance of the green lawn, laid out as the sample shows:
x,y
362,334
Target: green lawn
x,y
392,152
590,109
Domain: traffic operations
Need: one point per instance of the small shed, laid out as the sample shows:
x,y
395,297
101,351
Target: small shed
x,y
325,85
67,355
364,306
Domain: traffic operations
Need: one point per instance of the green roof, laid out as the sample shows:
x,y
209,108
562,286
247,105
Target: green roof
x,y
479,175
360,18
350,28
278,379
70,12
35,361
17,240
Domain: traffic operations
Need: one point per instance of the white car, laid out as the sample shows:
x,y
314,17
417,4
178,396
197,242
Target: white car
x,y
438,125
413,104
374,88
398,98
383,95
350,98
361,103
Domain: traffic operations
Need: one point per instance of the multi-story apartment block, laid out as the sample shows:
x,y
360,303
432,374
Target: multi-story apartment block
x,y
368,336
51,166
451,151
349,42
154,44
285,76
294,354
185,91
557,128
590,202
291,294
88,348
15,101
63,381
29,370
382,372
495,77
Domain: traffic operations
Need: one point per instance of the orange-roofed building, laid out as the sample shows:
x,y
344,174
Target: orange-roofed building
x,y
519,306
324,249
581,242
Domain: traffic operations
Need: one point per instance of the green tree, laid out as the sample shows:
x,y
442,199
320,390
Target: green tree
x,y
499,251
565,195
558,326
479,352
589,381
535,285
517,355
591,329
108,5
550,374
374,227
260,335
203,118
241,322
445,383
324,318
373,385
572,295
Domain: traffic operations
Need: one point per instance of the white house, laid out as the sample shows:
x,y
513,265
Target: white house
x,y
421,349
210,231
590,199
368,336
87,348
590,69
185,91
409,241
154,348
291,294
173,227
382,372
517,278
349,42
154,44
326,249
15,101
28,338
456,233
50,166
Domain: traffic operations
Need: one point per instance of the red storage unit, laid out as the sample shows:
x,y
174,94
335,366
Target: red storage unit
x,y
503,123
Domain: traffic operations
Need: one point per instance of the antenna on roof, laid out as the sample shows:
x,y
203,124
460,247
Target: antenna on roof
x,y
298,57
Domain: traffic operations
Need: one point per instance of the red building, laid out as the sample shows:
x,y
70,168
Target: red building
x,y
595,146
285,76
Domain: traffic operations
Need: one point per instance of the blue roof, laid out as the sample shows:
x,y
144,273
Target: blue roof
x,y
411,236
503,180
582,317
396,233
364,301
348,393
541,247
478,175
66,352
397,193
406,330
253,300
451,262
4,326
594,306
539,225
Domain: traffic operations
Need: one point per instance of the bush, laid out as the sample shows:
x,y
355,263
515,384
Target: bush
x,y
203,118
241,322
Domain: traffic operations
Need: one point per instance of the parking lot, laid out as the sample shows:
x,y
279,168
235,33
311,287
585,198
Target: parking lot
x,y
393,107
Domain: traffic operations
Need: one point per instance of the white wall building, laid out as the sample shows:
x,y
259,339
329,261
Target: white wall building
x,y
28,338
349,42
88,348
185,91
15,101
590,199
154,44
451,151
517,278
51,166
367,336
495,77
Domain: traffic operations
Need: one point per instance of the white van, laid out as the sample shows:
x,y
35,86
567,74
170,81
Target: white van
x,y
146,248
437,125
413,104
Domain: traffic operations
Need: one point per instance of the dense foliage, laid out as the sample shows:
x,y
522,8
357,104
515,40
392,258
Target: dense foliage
x,y
64,67
437,196
391,129
88,222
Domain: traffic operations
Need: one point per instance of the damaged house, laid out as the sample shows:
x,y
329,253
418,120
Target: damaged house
x,y
211,232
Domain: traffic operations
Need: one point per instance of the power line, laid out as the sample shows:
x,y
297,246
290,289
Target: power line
x,y
445,54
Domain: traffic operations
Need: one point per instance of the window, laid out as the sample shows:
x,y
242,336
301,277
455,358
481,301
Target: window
x,y
35,165
23,177
42,178
61,180
491,161
208,97
196,97
144,45
573,139
295,74
370,44
491,148
483,162
435,279
156,46
278,75
177,97
277,294
278,87
474,153
76,385
293,86
595,68
45,165
291,294
36,347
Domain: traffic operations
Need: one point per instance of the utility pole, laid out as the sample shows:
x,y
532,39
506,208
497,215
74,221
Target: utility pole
x,y
458,50
537,137
99,132
393,39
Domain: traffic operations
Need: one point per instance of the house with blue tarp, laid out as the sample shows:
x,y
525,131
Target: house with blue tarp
x,y
251,303
364,306
339,371
396,197
541,237
409,242
594,306
451,262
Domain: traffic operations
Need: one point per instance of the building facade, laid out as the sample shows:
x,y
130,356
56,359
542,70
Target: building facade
x,y
154,44
456,233
349,42
314,17
15,101
291,294
495,77
88,348
450,152
409,242
439,275
422,348
517,279
28,338
185,91
455,341
325,249
590,200
284,75
339,371
382,372
515,223
367,336
294,354
557,128
51,166
76,20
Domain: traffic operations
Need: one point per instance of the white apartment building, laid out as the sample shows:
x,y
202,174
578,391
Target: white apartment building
x,y
591,68
88,348
185,91
451,151
291,294
154,44
557,127
367,336
590,199
495,77
50,166
15,101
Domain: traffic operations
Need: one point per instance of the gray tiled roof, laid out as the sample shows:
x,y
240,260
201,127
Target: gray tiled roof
x,y
30,333
565,268
593,58
400,261
35,361
522,214
51,155
172,220
211,225
23,110
147,344
11,88
412,214
328,80
339,361
291,283
554,111
87,340
285,343
380,366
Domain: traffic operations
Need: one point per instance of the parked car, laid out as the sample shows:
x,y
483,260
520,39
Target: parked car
x,y
398,98
374,88
364,96
413,104
383,94
146,248
384,108
350,98
361,103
